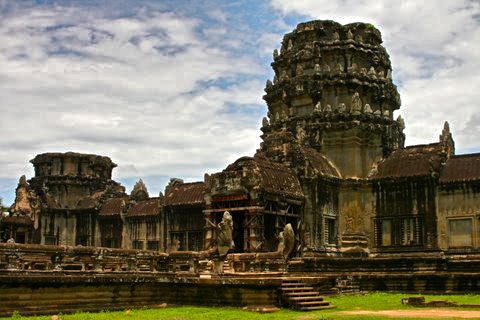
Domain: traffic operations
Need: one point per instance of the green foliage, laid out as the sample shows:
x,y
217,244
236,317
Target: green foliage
x,y
370,26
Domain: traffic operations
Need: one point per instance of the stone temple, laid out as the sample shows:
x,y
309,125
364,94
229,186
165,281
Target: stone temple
x,y
332,165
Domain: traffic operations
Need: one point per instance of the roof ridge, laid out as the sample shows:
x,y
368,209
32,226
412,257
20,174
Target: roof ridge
x,y
419,145
466,155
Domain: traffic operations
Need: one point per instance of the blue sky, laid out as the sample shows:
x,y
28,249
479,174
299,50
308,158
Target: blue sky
x,y
173,88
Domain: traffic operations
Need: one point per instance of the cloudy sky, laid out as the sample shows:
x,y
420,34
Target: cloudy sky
x,y
173,88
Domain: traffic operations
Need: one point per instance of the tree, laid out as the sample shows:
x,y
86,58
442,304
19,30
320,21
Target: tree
x,y
2,207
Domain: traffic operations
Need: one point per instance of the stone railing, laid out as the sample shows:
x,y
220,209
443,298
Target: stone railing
x,y
257,262
34,257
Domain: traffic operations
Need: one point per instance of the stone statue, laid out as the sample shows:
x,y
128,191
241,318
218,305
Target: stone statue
x,y
317,68
287,241
225,234
300,133
290,45
299,70
353,68
339,68
372,73
269,84
328,108
318,107
342,108
356,105
336,36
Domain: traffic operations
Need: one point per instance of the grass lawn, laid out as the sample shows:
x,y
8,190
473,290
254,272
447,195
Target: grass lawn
x,y
376,301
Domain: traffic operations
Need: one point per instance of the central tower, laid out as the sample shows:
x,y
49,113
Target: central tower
x,y
333,91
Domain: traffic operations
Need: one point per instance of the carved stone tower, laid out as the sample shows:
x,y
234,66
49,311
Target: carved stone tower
x,y
333,92
70,176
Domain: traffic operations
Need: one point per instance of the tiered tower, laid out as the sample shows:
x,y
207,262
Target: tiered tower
x,y
333,91
69,177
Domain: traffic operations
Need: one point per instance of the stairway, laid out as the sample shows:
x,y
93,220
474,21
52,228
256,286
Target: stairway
x,y
298,296
226,267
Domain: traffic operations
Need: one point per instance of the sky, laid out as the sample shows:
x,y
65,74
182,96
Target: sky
x,y
174,88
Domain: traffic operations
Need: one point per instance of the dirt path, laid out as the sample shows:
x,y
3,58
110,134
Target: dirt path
x,y
421,313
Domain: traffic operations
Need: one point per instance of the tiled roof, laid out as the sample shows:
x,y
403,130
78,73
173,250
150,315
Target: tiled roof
x,y
274,177
320,163
22,220
185,193
278,178
461,168
149,207
113,206
412,161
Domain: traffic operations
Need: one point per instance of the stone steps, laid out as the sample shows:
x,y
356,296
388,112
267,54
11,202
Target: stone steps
x,y
299,296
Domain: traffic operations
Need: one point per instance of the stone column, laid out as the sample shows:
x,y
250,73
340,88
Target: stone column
x,y
254,226
209,233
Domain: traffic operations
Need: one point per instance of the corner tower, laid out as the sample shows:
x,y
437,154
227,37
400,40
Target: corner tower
x,y
333,91
69,177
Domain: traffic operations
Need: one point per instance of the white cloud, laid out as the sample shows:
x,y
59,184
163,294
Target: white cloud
x,y
435,52
142,89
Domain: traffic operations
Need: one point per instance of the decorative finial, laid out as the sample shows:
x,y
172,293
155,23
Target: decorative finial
x,y
265,122
23,181
139,191
290,45
275,54
367,108
401,122
349,35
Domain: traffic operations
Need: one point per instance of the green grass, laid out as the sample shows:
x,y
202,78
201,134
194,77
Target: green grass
x,y
376,301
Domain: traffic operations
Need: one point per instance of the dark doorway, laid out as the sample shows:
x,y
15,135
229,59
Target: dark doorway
x,y
270,233
20,237
238,232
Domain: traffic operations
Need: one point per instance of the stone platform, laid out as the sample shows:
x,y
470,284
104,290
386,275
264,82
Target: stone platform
x,y
39,279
